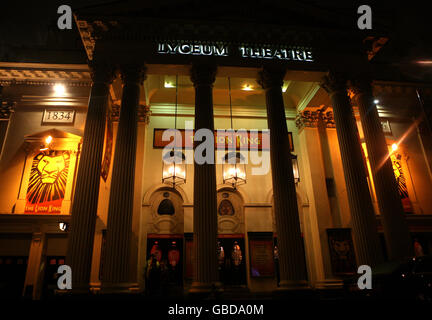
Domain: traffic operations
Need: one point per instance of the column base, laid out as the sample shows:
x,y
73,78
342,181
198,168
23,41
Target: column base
x,y
201,290
294,290
329,284
118,288
84,289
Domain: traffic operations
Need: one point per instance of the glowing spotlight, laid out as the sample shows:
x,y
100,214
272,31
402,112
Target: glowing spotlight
x,y
63,226
45,146
376,101
168,84
59,89
394,146
247,87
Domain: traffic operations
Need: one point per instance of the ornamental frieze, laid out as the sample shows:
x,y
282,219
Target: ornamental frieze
x,y
143,113
6,109
310,119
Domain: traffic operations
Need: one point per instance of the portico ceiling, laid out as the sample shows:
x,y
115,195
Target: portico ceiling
x,y
245,92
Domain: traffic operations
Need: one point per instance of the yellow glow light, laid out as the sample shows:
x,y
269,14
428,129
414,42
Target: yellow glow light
x,y
59,89
48,140
247,87
168,84
394,146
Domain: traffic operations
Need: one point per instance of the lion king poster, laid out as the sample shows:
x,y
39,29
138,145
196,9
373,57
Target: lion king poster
x,y
47,183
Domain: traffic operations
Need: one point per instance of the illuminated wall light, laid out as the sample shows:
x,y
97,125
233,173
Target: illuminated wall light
x,y
59,89
63,226
247,87
394,146
285,87
168,84
376,101
45,146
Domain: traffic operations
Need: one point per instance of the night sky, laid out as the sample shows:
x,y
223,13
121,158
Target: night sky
x,y
28,32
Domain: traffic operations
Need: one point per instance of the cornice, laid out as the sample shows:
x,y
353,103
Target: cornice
x,y
44,74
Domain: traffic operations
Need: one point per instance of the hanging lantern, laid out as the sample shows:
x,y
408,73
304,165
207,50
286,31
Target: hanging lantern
x,y
234,169
174,168
295,168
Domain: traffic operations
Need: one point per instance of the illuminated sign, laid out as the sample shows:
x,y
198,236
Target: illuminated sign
x,y
193,49
282,54
198,49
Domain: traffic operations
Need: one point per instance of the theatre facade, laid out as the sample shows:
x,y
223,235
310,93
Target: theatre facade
x,y
84,182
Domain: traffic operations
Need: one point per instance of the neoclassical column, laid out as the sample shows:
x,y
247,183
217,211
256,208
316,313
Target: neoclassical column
x,y
396,231
116,273
290,243
363,216
205,203
85,202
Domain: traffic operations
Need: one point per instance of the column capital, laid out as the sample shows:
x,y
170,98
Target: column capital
x,y
310,119
102,71
133,73
361,85
334,82
270,77
203,74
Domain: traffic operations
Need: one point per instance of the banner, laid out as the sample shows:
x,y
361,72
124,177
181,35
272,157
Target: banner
x,y
396,160
47,183
258,140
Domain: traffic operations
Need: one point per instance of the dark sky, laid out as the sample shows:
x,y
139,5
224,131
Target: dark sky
x,y
34,25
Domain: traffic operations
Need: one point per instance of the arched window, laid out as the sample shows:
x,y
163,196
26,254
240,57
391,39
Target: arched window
x,y
166,207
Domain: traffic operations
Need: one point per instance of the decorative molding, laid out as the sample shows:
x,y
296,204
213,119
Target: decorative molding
x,y
6,109
310,119
334,82
31,74
270,77
86,31
307,119
144,113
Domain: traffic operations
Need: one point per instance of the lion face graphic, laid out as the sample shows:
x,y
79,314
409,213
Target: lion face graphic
x,y
342,248
48,177
49,168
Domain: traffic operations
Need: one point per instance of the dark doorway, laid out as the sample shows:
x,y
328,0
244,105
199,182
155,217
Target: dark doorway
x,y
169,255
231,261
50,277
12,276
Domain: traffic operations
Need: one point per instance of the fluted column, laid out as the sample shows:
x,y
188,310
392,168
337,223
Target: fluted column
x,y
363,216
396,231
84,207
205,205
291,249
117,275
